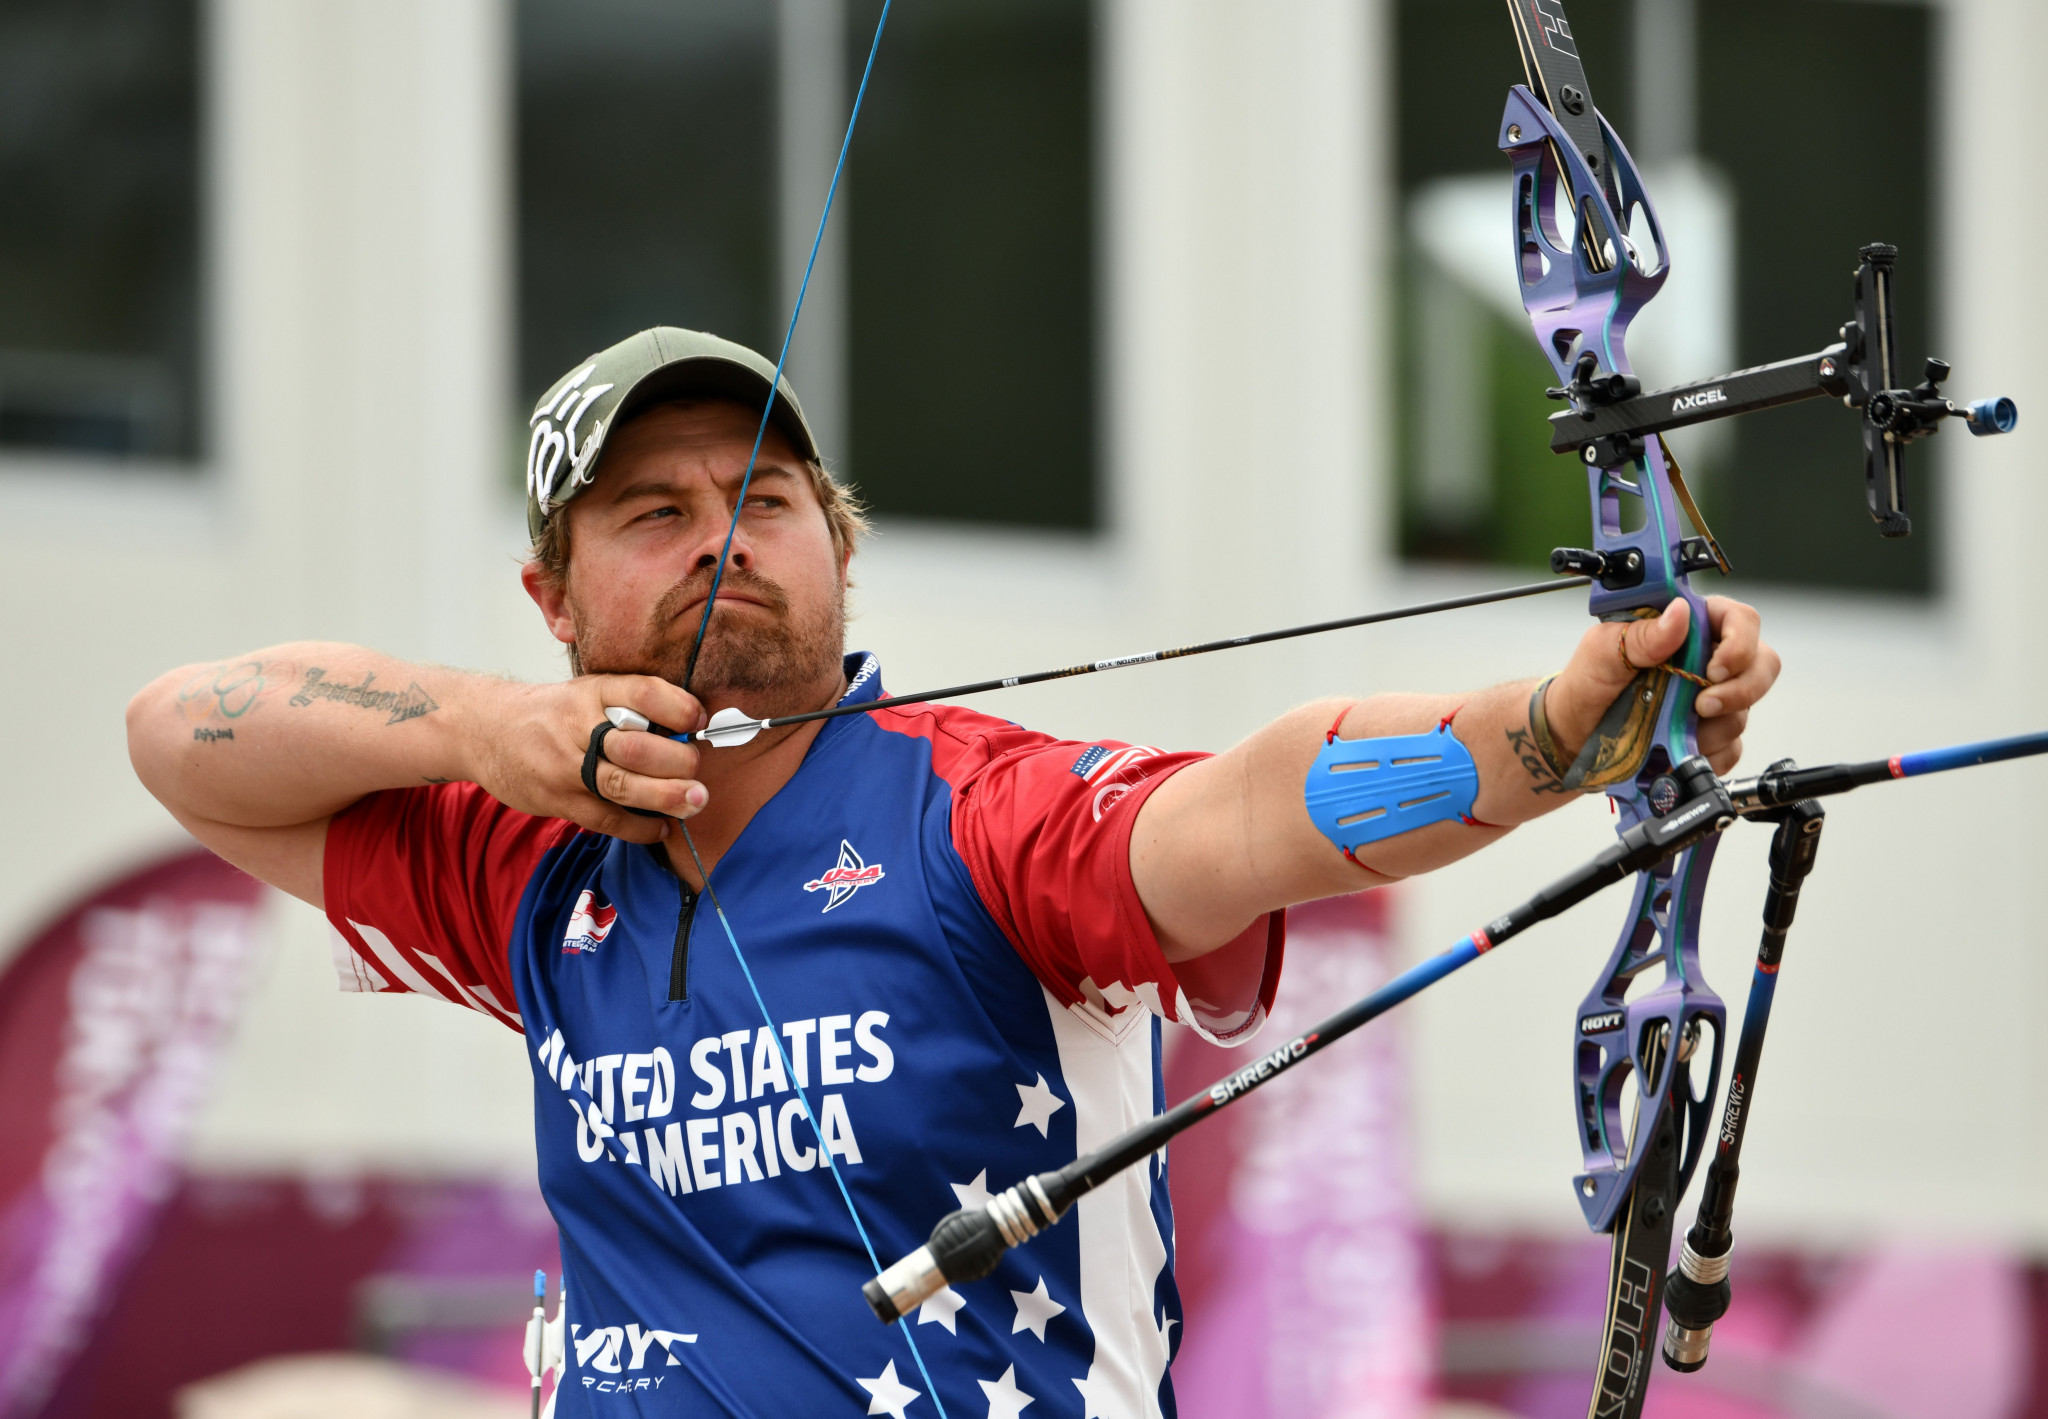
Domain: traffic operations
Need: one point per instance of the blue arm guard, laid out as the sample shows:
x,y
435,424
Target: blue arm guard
x,y
1362,790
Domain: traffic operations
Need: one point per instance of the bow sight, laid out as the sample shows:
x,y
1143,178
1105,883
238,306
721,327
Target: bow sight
x,y
1591,253
1611,418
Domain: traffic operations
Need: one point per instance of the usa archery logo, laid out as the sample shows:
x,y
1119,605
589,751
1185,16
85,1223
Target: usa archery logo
x,y
589,924
848,876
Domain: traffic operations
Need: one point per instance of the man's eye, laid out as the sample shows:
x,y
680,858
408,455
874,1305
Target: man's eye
x,y
660,512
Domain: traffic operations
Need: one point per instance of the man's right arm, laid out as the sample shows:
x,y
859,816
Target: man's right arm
x,y
254,755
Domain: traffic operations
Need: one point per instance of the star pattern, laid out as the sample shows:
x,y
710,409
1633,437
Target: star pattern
x,y
891,1396
1005,1400
1093,1406
1034,1309
942,1306
1037,1103
972,1194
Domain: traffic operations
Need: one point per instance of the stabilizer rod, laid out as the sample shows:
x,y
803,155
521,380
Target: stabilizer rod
x,y
1699,1294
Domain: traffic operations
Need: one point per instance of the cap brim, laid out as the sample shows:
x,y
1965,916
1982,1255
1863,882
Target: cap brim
x,y
699,376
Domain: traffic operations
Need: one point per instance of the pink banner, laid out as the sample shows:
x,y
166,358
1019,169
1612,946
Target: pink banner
x,y
111,1022
1302,1261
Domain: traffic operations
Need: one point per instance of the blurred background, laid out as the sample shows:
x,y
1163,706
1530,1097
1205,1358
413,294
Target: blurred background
x,y
1138,322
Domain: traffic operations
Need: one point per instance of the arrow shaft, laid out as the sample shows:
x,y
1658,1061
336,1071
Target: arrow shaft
x,y
1316,628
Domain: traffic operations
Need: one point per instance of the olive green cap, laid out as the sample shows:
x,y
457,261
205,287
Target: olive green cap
x,y
569,425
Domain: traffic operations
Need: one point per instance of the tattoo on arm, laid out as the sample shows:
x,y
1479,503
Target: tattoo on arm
x,y
211,736
401,705
1523,743
230,689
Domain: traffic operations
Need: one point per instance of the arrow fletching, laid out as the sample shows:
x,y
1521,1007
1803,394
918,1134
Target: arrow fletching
x,y
729,729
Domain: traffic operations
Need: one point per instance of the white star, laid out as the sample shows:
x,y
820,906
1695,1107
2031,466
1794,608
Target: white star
x,y
891,1397
941,1306
1005,1400
1034,1309
1038,1103
972,1194
1092,1405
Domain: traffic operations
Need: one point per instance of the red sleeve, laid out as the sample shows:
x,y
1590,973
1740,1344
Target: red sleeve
x,y
423,885
1046,834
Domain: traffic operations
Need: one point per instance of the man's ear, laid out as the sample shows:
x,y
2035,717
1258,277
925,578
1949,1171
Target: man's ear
x,y
553,600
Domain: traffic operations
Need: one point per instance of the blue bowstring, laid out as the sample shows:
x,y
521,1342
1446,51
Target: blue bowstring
x,y
782,357
824,1151
690,672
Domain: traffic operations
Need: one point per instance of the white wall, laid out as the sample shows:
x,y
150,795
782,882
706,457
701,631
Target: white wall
x,y
360,494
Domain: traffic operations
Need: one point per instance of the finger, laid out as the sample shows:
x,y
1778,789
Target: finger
x,y
1715,735
651,755
1646,643
1724,760
675,798
1745,689
617,823
667,705
1737,633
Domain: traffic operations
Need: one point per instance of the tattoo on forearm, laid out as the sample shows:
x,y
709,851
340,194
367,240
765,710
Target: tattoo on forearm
x,y
229,689
402,705
212,736
1523,743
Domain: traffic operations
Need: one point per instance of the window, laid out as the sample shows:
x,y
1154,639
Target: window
x,y
1808,135
952,321
972,244
99,233
646,180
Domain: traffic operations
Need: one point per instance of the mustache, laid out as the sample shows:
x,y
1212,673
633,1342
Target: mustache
x,y
697,586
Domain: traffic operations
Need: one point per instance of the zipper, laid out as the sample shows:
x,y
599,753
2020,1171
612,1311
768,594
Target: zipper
x,y
679,960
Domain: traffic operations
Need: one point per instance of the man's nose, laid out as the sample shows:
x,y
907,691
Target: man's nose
x,y
715,540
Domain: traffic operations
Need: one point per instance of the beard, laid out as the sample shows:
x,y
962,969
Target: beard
x,y
764,655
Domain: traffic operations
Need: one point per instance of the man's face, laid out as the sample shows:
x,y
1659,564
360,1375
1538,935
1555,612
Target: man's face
x,y
644,542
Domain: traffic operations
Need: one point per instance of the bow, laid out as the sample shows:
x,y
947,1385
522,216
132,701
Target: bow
x,y
1585,271
1590,253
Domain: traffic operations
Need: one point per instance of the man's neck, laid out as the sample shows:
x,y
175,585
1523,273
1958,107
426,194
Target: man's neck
x,y
740,782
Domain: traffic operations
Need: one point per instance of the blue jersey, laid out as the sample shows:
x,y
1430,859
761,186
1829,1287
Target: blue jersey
x,y
957,987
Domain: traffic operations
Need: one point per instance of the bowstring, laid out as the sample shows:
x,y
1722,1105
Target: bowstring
x,y
690,673
782,356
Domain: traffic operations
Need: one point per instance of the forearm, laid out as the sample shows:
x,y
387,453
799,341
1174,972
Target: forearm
x,y
297,732
1230,838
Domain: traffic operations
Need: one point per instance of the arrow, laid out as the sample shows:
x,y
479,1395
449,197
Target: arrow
x,y
730,728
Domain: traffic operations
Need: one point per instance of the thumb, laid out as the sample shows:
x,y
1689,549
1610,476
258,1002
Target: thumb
x,y
1647,643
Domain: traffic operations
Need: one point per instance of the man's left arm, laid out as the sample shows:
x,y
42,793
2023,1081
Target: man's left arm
x,y
1226,840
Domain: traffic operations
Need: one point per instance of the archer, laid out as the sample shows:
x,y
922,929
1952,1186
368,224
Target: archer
x,y
957,930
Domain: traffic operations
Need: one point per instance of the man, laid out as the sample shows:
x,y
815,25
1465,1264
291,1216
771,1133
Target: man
x,y
951,938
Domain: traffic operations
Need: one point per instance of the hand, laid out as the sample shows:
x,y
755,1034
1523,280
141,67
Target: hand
x,y
1740,673
528,754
